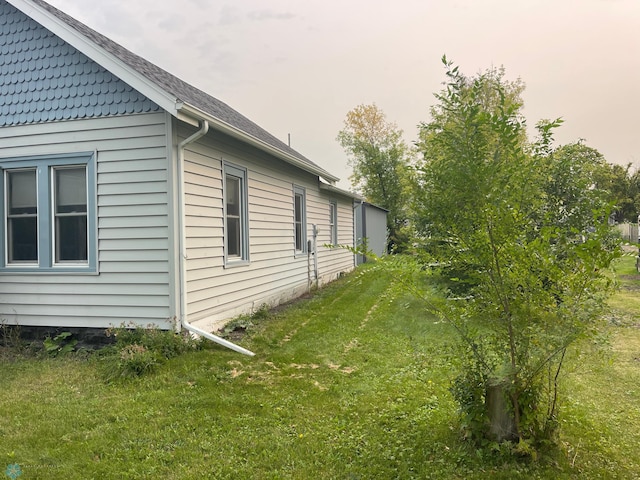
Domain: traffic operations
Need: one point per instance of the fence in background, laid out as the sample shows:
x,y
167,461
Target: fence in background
x,y
629,231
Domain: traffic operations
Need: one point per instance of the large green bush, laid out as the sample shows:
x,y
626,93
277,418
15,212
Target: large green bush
x,y
527,226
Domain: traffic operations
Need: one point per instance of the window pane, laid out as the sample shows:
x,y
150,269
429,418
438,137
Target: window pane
x,y
70,214
23,239
22,192
233,195
233,237
22,218
71,238
298,236
71,190
298,208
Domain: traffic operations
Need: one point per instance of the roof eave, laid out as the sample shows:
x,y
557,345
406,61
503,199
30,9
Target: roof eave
x,y
191,114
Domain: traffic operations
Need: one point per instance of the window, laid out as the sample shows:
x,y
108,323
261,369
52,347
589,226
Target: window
x,y
300,219
333,223
47,205
235,213
70,213
22,216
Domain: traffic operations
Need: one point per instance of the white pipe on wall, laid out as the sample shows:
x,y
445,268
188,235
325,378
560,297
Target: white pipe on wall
x,y
204,128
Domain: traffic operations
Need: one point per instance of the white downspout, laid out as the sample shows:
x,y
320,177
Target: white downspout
x,y
314,230
204,128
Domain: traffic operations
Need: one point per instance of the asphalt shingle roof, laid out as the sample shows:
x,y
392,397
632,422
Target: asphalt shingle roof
x,y
177,87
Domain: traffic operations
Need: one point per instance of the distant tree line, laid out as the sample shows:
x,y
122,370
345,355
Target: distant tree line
x,y
384,167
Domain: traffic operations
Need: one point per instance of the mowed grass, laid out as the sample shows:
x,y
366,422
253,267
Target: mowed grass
x,y
352,383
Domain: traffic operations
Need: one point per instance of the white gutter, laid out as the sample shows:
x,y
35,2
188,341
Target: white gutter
x,y
204,128
333,189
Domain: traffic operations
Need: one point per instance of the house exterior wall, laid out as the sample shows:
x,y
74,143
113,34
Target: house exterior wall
x,y
56,103
274,273
134,267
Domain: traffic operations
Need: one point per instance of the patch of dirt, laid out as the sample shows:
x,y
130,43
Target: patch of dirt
x,y
297,366
633,278
351,345
347,370
235,335
319,386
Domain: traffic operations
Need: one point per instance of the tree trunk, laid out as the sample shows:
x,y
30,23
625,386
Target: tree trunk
x,y
502,424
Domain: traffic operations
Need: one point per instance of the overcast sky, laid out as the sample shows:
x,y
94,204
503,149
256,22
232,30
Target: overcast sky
x,y
298,66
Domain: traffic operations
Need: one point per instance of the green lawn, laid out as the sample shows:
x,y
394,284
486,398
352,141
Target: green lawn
x,y
349,384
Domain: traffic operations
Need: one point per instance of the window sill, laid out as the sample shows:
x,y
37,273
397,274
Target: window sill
x,y
49,271
236,263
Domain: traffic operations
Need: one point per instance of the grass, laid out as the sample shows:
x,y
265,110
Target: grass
x,y
349,384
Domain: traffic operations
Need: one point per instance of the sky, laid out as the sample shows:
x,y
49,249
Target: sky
x,y
296,67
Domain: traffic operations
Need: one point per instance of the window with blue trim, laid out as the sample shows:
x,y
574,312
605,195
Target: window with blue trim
x,y
49,213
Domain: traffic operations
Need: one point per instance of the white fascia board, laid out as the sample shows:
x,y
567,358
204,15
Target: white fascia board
x,y
339,191
192,112
96,53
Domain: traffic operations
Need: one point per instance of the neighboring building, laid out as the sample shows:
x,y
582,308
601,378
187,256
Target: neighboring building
x,y
131,197
370,224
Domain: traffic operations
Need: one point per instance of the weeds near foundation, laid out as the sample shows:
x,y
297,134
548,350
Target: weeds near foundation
x,y
10,336
139,351
244,323
59,345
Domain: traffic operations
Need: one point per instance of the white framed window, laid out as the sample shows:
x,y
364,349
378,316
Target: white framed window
x,y
236,220
21,217
49,214
69,185
333,223
300,219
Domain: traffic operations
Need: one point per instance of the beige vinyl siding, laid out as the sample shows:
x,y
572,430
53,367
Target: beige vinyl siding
x,y
134,261
216,292
331,261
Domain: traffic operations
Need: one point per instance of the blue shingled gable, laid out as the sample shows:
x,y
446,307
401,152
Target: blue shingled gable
x,y
44,79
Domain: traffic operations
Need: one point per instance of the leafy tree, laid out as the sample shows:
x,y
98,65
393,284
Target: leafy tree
x,y
528,227
624,189
622,186
380,161
577,175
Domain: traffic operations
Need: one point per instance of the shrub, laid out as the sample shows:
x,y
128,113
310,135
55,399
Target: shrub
x,y
139,351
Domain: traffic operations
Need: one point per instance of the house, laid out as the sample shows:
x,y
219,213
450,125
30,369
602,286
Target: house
x,y
131,197
370,229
